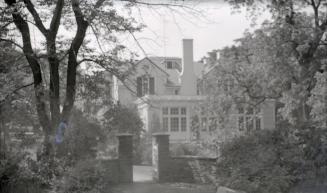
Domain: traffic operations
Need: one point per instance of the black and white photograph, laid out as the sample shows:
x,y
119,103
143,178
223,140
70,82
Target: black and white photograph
x,y
163,96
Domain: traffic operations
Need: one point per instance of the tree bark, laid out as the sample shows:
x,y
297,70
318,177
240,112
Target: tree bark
x,y
82,26
39,90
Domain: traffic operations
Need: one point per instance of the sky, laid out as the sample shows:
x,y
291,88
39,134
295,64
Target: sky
x,y
212,24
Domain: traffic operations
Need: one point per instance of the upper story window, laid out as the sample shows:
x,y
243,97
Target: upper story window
x,y
249,118
169,64
227,85
145,85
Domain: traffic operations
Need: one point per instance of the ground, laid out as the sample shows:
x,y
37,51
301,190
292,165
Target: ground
x,y
142,173
150,187
142,176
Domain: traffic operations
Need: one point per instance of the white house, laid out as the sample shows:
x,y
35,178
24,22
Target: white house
x,y
166,94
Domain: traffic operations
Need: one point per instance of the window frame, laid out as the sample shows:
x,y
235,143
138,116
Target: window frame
x,y
176,114
249,119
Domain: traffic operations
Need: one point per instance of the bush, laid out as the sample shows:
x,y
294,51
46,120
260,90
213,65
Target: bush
x,y
142,153
19,174
193,149
86,176
261,162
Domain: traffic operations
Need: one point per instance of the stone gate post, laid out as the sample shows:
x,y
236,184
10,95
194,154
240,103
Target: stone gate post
x,y
160,156
125,157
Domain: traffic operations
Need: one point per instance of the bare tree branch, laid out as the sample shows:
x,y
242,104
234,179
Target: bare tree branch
x,y
12,42
37,19
15,91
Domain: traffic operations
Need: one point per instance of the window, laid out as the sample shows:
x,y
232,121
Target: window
x,y
204,123
145,85
165,124
165,110
174,111
241,123
212,123
183,124
174,119
249,119
208,120
183,111
174,124
169,64
226,85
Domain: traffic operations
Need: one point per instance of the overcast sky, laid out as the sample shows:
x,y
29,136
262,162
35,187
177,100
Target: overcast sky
x,y
212,26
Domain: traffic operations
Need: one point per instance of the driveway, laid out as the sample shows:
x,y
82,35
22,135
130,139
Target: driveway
x,y
142,173
143,183
150,187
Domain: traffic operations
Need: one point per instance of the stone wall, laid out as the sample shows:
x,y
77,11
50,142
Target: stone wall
x,y
192,169
120,170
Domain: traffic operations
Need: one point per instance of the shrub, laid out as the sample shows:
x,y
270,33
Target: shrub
x,y
261,162
86,176
19,174
193,149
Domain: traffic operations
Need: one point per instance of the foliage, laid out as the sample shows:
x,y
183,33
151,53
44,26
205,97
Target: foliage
x,y
318,100
193,149
265,161
121,119
273,160
293,46
20,173
98,19
87,176
81,139
142,153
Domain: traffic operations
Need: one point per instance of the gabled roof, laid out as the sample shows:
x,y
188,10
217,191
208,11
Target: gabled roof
x,y
173,74
153,63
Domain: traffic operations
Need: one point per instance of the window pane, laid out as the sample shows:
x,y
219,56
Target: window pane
x,y
183,123
241,123
174,111
212,124
165,111
174,123
249,123
258,123
257,110
249,111
139,86
145,82
203,111
204,123
183,111
165,124
240,110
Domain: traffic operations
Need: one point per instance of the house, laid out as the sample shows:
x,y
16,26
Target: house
x,y
166,92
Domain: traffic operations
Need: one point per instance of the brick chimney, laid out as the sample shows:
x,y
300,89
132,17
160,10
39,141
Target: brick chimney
x,y
188,78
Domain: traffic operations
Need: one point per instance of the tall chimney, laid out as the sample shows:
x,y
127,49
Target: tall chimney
x,y
188,78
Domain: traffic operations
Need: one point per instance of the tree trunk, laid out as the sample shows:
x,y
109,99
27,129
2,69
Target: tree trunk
x,y
39,89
